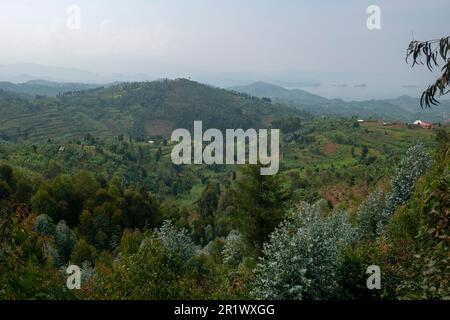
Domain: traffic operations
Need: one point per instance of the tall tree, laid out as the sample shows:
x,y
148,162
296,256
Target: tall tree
x,y
258,200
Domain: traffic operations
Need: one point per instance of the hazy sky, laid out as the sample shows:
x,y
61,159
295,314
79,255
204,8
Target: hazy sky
x,y
283,40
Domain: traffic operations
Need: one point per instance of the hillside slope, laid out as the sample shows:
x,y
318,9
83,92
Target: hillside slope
x,y
404,108
139,109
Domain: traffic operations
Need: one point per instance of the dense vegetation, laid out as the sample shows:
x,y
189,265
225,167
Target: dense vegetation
x,y
348,195
144,109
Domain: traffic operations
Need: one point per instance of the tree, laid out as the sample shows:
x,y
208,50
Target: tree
x,y
303,258
65,239
234,249
22,273
177,242
369,214
416,161
207,207
140,209
259,201
428,272
432,50
5,190
44,225
83,252
162,261
6,173
59,199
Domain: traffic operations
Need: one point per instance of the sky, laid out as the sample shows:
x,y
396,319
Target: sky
x,y
230,42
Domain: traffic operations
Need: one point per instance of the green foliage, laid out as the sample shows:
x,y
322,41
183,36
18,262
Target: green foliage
x,y
59,200
5,190
83,252
413,251
177,242
154,271
23,273
6,173
369,214
137,109
44,225
235,249
355,261
258,200
303,258
107,184
428,276
130,241
416,161
65,239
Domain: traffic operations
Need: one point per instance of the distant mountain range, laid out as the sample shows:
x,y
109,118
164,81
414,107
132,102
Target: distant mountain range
x,y
44,88
277,93
24,72
403,108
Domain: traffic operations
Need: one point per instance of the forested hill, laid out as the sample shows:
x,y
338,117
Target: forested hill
x,y
140,109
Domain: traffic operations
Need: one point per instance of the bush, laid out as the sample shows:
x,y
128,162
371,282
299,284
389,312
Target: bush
x,y
177,242
83,252
44,225
154,271
303,258
416,161
65,239
370,214
235,249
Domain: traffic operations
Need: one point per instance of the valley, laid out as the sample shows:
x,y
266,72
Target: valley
x,y
90,176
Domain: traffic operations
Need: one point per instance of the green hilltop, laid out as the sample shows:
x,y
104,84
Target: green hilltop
x,y
141,109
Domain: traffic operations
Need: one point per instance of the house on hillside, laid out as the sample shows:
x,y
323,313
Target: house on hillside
x,y
423,124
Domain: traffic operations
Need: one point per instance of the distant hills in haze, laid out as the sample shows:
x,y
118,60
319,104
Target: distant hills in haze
x,y
24,72
44,88
276,93
403,108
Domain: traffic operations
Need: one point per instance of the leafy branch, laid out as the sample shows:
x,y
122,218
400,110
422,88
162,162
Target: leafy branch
x,y
431,51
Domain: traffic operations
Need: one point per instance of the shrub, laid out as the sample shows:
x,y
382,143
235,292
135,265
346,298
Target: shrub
x,y
369,215
44,225
65,239
83,252
416,161
303,257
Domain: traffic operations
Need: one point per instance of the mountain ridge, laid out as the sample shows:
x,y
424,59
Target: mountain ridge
x,y
403,108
